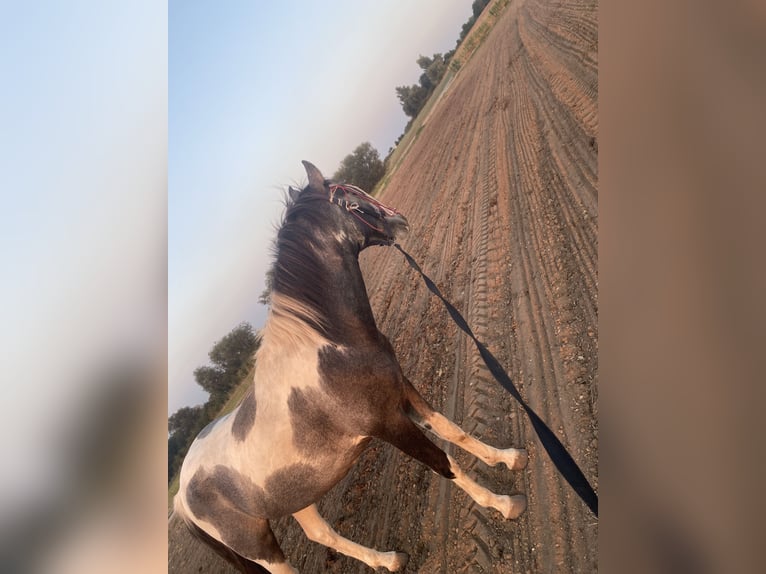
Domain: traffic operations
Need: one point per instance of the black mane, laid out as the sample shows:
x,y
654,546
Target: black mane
x,y
299,273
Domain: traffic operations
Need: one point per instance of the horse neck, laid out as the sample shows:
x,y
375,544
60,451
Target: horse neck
x,y
326,280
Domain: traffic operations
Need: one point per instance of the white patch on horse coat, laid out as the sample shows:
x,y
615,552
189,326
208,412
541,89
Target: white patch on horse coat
x,y
285,329
287,358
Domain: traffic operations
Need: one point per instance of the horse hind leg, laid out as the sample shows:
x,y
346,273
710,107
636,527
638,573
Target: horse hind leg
x,y
255,540
241,563
253,549
422,414
318,530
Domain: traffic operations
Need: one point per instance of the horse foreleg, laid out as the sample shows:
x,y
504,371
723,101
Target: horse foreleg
x,y
422,414
403,434
318,530
509,506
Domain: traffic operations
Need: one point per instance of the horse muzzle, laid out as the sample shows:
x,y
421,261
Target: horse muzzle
x,y
397,226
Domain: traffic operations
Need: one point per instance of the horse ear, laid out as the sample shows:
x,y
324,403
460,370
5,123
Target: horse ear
x,y
294,193
316,179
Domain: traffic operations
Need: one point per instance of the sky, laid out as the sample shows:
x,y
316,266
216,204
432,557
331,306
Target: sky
x,y
253,89
144,148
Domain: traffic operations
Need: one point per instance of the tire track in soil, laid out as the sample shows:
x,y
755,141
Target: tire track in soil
x,y
572,208
535,287
500,189
474,535
474,519
453,405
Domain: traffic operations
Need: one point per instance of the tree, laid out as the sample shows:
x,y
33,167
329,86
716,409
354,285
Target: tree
x,y
184,432
265,296
433,70
414,97
213,380
232,357
234,352
362,168
477,7
184,425
176,451
185,421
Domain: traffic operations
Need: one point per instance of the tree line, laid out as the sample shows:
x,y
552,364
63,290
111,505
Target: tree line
x,y
231,359
363,167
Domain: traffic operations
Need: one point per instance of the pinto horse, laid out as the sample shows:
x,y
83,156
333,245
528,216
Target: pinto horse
x,y
326,382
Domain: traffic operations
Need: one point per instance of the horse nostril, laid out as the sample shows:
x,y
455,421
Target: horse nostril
x,y
398,224
400,220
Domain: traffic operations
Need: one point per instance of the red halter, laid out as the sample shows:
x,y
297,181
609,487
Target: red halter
x,y
347,202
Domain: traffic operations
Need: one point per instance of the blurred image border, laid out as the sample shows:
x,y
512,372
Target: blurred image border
x,y
681,283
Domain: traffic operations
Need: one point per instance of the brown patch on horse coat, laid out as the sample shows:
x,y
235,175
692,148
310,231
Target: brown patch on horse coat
x,y
366,380
245,417
298,485
369,382
237,560
227,500
313,426
224,497
319,435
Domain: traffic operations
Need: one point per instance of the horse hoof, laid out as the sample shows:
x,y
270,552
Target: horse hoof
x,y
399,560
516,458
513,506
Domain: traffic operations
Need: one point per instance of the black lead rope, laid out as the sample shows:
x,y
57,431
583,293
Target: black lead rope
x,y
558,454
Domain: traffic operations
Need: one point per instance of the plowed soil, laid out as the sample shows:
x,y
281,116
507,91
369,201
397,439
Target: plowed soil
x,y
500,188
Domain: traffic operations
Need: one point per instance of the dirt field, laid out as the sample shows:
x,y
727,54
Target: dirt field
x,y
500,189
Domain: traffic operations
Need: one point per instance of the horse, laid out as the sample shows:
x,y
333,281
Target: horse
x,y
326,382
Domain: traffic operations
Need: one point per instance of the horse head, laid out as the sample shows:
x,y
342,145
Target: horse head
x,y
372,222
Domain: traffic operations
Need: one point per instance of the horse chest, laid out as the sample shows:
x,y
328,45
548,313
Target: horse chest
x,y
287,419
